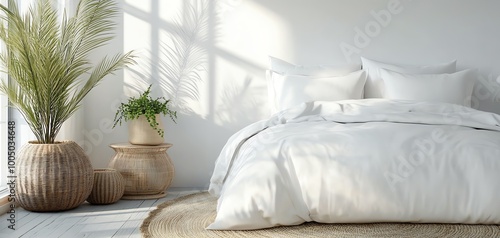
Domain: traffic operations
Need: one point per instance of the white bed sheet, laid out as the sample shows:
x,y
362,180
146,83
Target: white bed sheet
x,y
358,161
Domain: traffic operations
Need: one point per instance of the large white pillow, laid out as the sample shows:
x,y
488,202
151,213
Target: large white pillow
x,y
450,88
278,68
283,67
291,90
374,87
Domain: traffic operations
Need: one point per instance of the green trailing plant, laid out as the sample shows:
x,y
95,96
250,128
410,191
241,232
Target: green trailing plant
x,y
147,106
48,63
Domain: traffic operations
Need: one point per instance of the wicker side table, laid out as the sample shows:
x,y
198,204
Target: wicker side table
x,y
147,170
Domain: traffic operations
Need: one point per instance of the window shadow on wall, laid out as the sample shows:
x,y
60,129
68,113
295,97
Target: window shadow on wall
x,y
183,57
182,62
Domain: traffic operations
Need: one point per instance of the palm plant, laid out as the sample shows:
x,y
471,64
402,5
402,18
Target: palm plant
x,y
48,61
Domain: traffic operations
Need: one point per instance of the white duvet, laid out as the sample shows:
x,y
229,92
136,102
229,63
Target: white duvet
x,y
359,161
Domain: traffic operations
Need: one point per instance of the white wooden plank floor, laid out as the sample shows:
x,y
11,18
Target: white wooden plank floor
x,y
121,219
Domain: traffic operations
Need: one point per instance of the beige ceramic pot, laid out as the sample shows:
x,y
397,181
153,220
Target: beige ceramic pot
x,y
141,133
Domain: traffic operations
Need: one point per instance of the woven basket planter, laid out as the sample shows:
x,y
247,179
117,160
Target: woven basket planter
x,y
52,177
108,187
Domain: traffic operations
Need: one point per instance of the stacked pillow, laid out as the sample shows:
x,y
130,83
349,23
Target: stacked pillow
x,y
290,84
433,83
375,84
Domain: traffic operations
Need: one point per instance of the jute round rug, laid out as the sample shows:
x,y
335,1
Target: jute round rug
x,y
189,215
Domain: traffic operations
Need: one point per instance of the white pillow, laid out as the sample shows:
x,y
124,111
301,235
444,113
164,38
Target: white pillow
x,y
450,88
291,90
278,68
374,85
282,67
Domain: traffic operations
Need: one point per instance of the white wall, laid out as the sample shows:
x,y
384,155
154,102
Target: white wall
x,y
237,36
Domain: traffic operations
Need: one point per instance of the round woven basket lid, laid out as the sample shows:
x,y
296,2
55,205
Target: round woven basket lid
x,y
189,215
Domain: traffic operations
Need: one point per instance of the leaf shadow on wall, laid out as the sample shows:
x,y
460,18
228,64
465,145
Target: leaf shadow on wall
x,y
177,59
239,104
182,62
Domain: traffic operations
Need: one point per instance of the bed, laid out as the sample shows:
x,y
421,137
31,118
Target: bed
x,y
423,158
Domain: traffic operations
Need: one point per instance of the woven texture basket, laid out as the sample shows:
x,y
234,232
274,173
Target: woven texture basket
x,y
108,187
52,177
147,170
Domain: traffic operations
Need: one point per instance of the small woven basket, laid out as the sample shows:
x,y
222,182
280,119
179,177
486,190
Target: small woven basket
x,y
109,187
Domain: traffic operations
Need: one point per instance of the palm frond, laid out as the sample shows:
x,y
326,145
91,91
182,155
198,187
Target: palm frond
x,y
47,61
185,57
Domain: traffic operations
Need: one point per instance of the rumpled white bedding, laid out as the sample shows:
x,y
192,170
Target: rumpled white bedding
x,y
359,161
